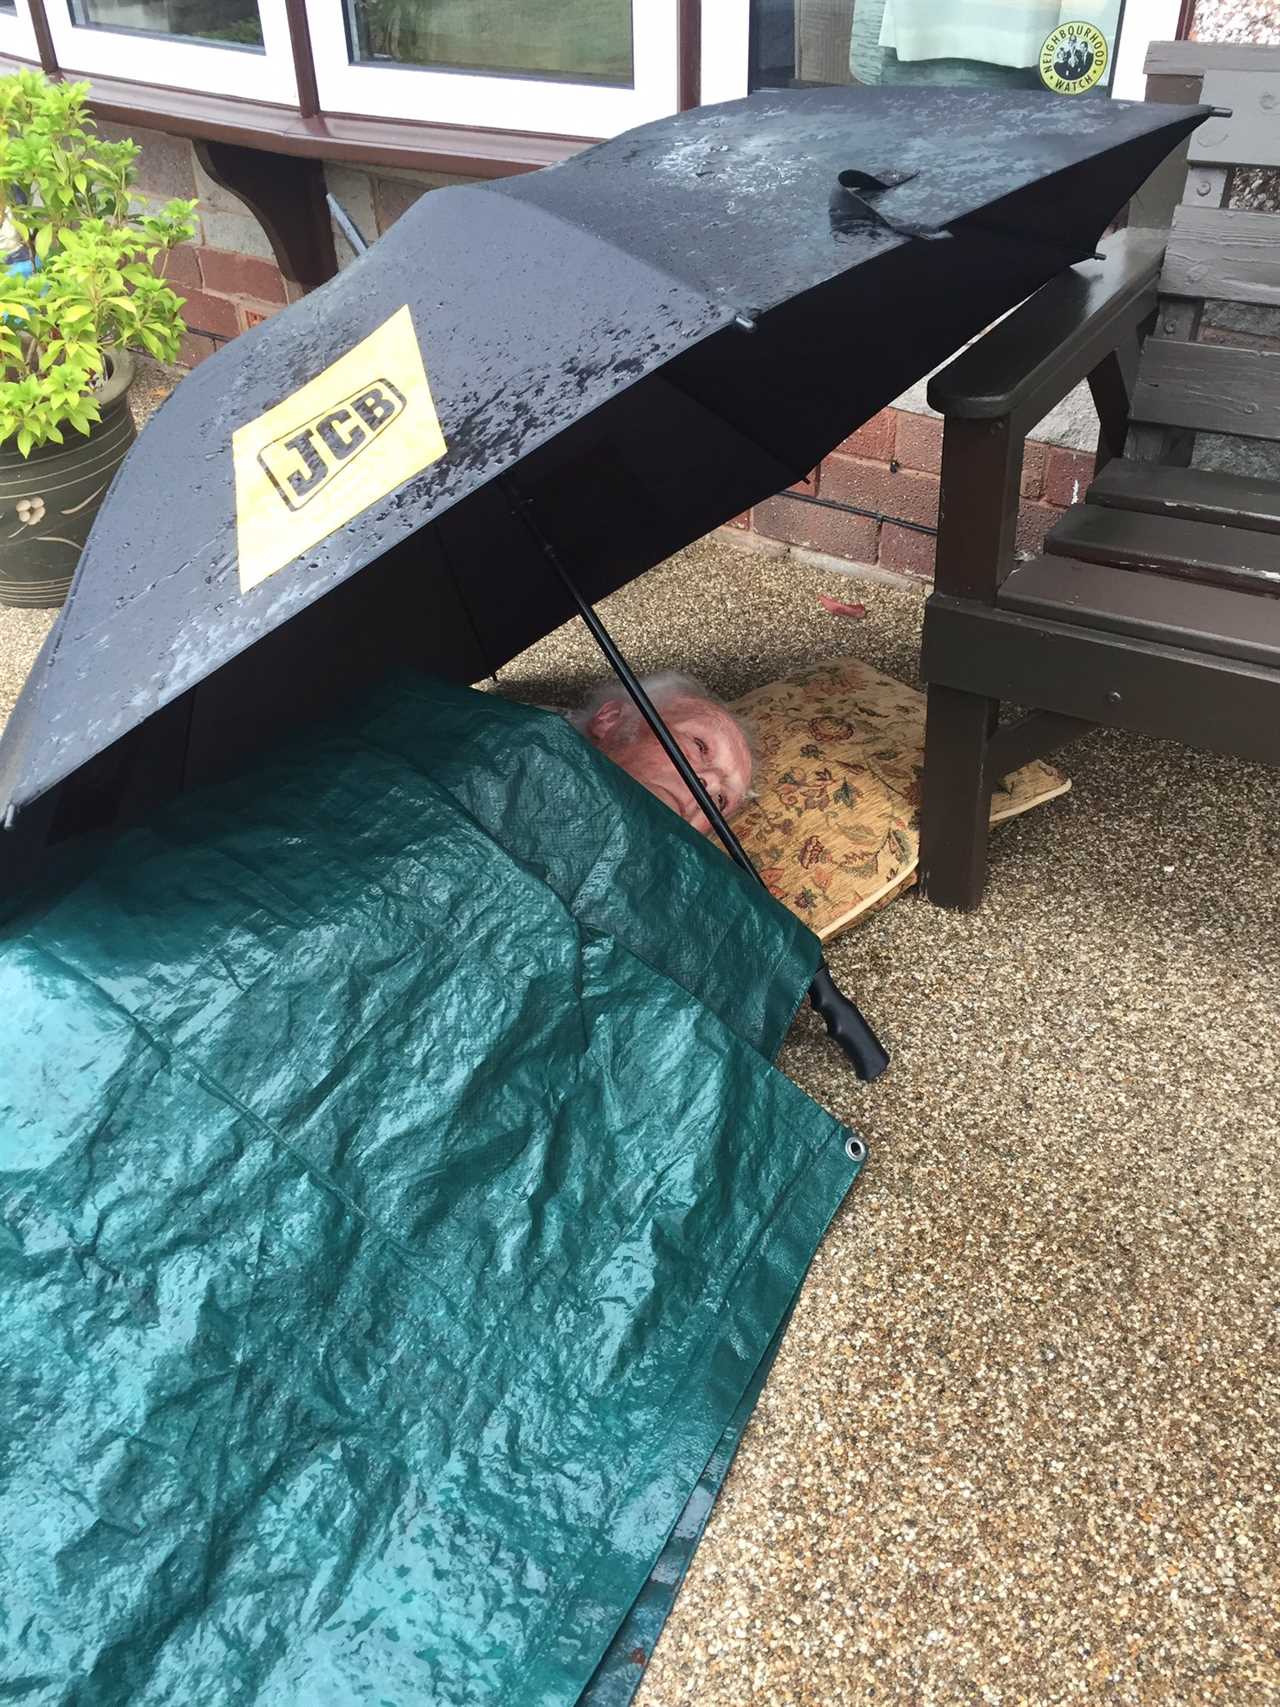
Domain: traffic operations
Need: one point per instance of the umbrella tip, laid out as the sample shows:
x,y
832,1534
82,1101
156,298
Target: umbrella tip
x,y
10,813
746,321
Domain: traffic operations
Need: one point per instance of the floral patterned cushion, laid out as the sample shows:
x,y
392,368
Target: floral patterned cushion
x,y
835,828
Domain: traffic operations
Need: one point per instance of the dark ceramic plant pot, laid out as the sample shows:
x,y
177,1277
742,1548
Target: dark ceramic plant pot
x,y
48,500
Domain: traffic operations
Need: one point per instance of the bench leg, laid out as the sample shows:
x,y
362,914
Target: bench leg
x,y
955,813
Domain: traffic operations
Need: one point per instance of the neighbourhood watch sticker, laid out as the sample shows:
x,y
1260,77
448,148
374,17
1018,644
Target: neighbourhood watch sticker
x,y
1073,58
345,439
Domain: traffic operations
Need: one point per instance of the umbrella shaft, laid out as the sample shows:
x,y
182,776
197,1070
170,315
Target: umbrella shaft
x,y
643,704
844,1022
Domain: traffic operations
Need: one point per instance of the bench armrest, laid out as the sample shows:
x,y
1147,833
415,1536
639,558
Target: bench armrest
x,y
1030,360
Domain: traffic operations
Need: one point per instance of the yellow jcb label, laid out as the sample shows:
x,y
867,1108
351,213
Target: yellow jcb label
x,y
345,439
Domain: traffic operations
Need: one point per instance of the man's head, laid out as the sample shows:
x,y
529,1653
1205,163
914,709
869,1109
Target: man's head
x,y
709,735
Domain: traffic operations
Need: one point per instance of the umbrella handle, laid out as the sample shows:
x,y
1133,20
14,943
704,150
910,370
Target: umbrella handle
x,y
846,1026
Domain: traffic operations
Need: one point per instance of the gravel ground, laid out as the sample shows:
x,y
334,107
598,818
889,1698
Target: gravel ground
x,y
1021,1443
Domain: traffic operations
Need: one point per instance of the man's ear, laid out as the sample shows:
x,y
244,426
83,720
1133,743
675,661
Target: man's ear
x,y
605,719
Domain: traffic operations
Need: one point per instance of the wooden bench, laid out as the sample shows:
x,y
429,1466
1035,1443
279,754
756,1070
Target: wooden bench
x,y
1154,605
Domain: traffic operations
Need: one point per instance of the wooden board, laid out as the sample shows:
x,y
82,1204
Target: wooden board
x,y
1229,705
1204,551
1251,136
1193,494
1214,388
1225,254
1194,58
1154,607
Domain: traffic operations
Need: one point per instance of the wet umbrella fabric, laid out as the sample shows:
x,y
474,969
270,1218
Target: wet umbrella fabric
x,y
653,336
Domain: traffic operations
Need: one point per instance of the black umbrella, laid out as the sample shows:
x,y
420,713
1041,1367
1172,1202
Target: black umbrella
x,y
535,389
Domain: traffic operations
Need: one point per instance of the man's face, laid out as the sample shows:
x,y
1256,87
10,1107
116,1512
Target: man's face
x,y
708,737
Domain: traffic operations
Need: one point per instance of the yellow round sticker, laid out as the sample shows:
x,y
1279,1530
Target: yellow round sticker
x,y
1073,58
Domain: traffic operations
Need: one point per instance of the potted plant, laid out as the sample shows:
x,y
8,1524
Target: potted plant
x,y
81,284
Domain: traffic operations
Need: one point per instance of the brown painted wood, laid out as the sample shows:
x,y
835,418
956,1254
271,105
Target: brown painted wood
x,y
1226,705
1194,58
956,805
978,508
287,196
1111,385
689,51
1154,607
1032,358
1224,253
304,65
1205,551
1152,206
352,140
44,37
1251,136
1034,736
1211,387
1193,494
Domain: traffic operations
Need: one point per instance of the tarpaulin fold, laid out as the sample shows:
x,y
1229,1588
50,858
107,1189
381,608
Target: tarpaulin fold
x,y
397,1202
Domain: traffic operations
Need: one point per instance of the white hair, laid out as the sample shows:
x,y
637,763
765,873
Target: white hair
x,y
662,688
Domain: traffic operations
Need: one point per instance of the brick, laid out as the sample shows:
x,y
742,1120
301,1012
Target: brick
x,y
907,551
182,267
166,165
236,231
394,197
1067,475
810,484
873,439
1034,461
918,443
205,313
875,486
241,275
254,313
1034,521
817,528
195,347
742,521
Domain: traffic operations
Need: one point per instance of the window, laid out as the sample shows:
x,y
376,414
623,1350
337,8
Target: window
x,y
562,67
961,42
235,23
16,34
582,40
227,47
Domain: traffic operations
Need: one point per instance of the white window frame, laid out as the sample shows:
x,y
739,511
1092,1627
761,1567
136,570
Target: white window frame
x,y
726,50
1144,21
177,64
541,104
17,34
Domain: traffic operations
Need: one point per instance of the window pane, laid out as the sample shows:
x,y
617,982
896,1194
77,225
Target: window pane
x,y
233,23
574,39
980,43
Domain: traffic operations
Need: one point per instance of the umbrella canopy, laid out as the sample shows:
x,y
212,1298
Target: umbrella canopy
x,y
636,345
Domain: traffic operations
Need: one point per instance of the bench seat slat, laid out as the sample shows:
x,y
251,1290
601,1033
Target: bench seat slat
x,y
1149,607
1191,494
1206,551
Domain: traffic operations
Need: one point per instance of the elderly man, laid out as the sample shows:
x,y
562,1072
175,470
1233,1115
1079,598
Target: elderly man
x,y
710,736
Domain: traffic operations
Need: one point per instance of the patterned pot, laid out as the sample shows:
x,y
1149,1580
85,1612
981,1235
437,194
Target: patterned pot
x,y
48,500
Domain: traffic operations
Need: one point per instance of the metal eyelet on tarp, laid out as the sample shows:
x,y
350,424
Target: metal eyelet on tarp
x,y
855,1149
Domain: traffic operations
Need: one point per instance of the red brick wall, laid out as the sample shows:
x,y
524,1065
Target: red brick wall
x,y
224,293
891,467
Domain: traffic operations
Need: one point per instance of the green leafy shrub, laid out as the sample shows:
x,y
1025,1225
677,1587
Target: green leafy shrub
x,y
66,196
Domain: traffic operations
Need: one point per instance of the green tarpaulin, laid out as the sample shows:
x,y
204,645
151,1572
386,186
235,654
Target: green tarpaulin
x,y
397,1206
